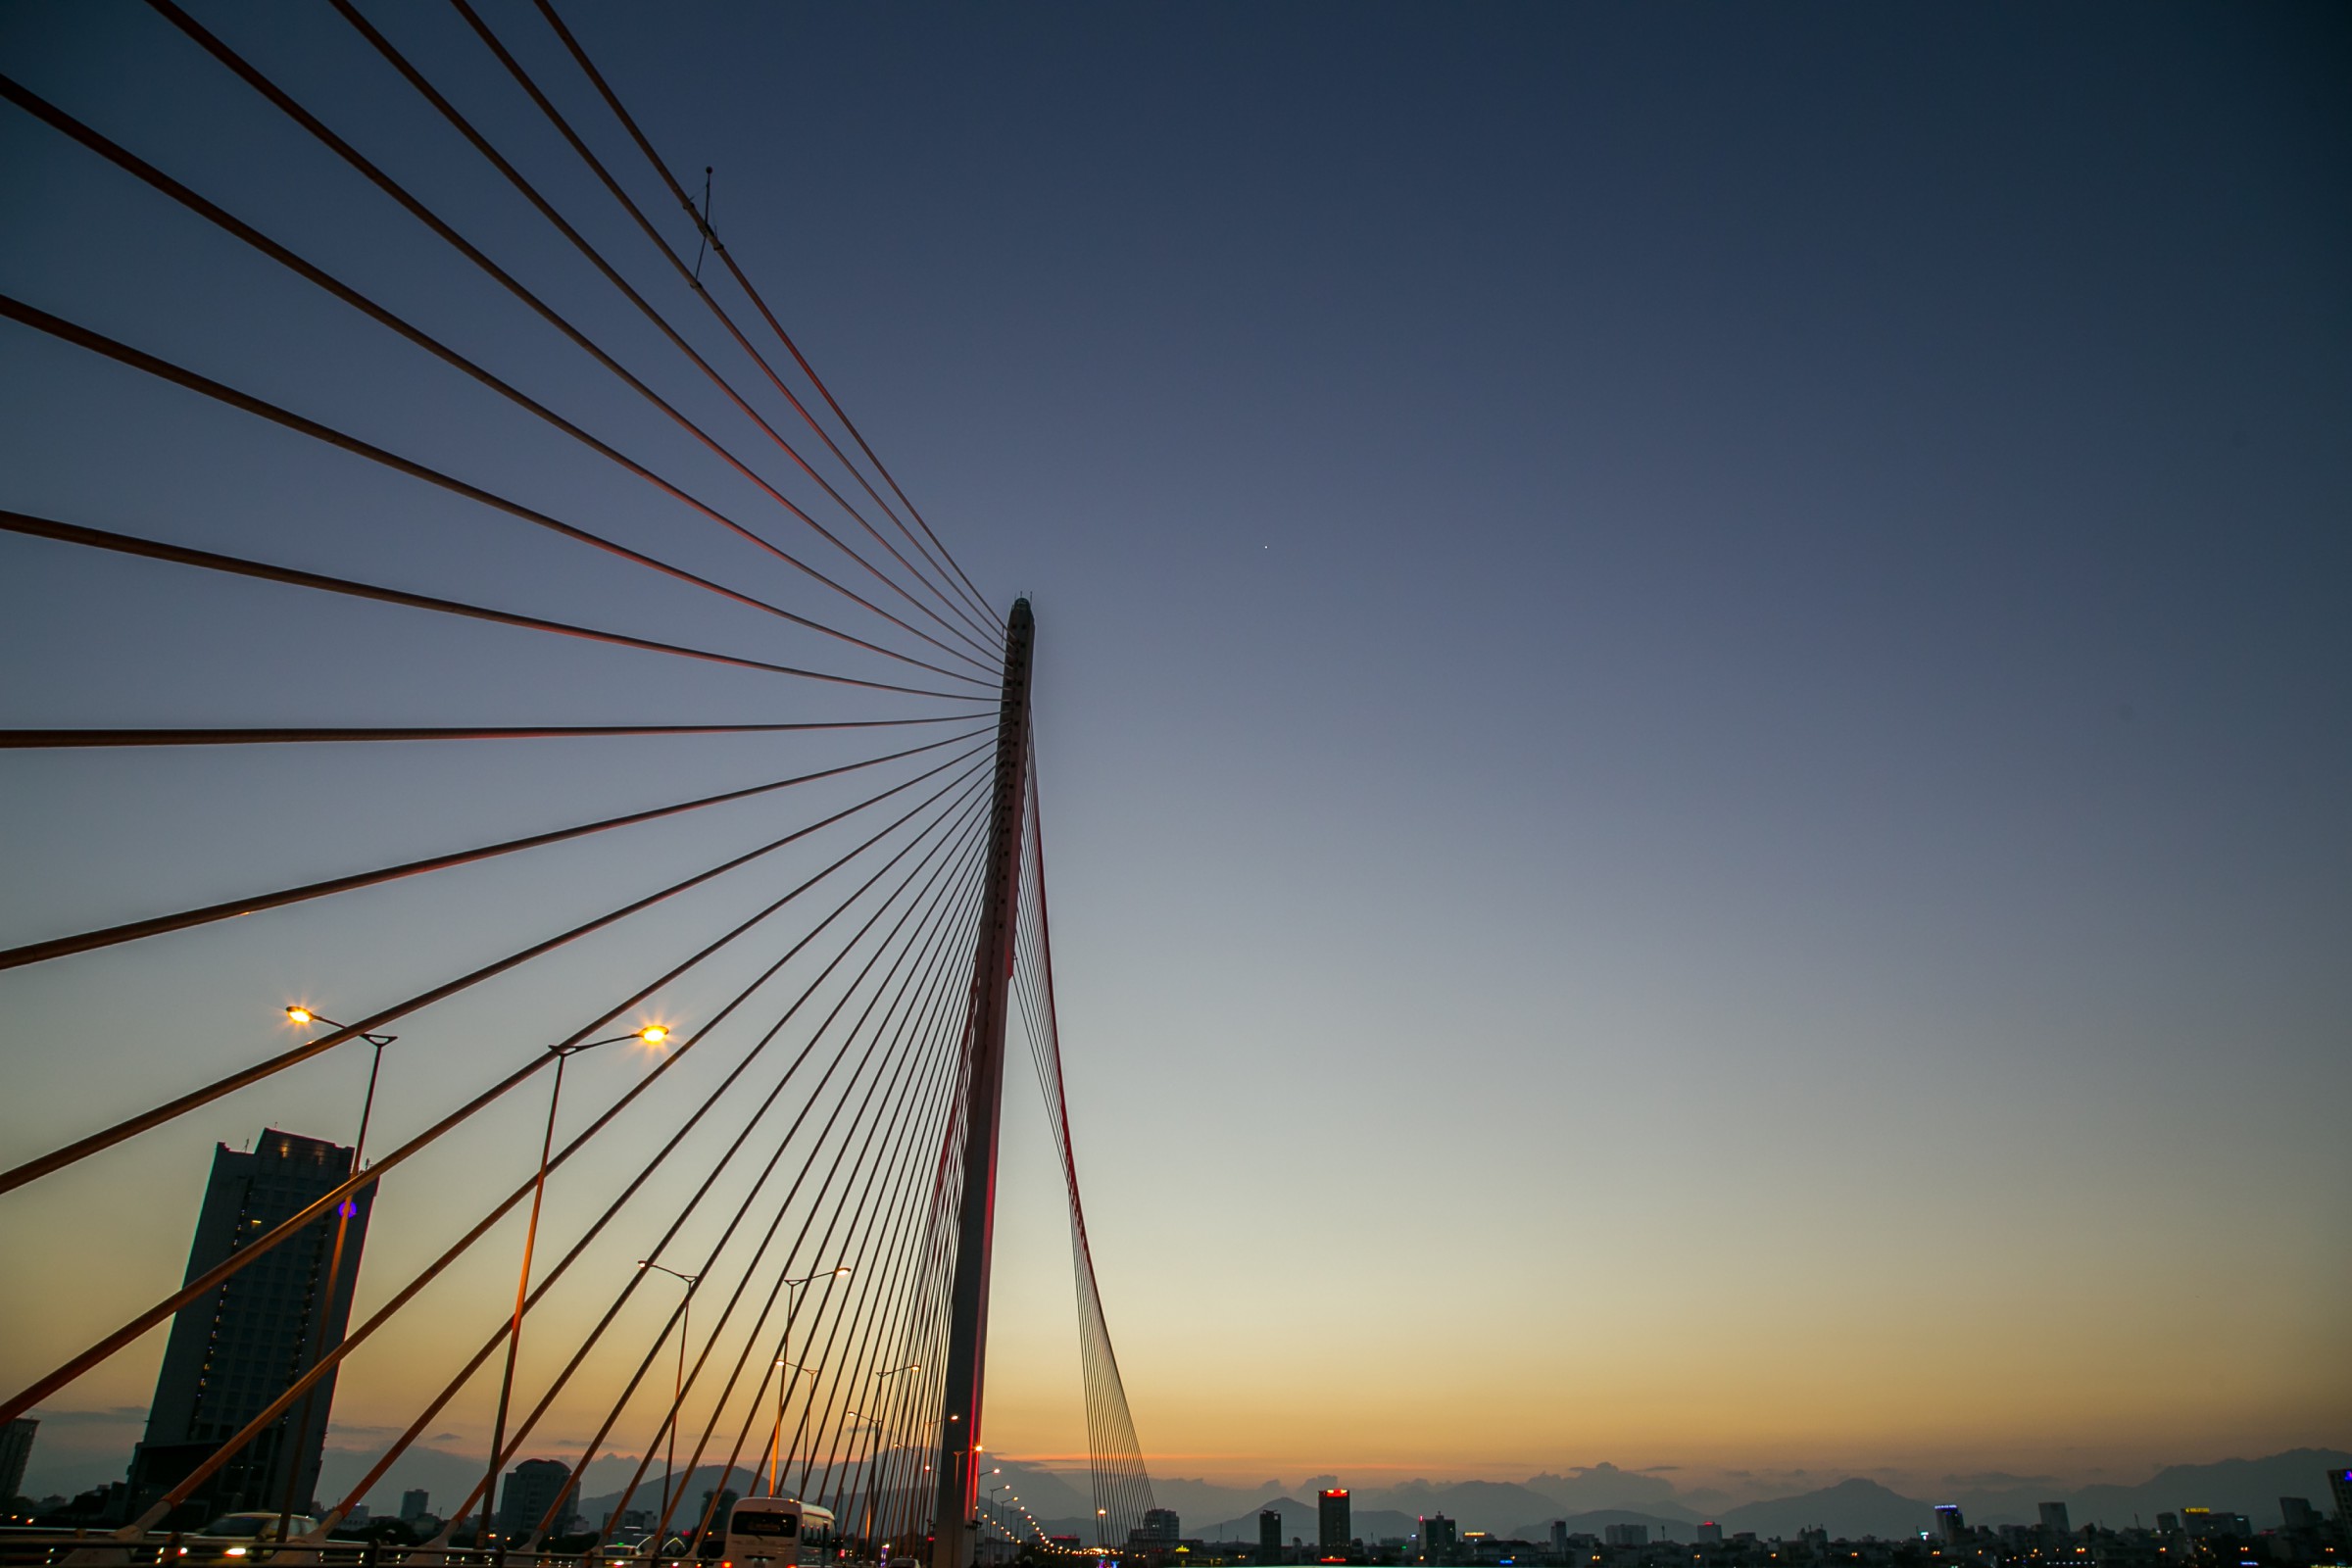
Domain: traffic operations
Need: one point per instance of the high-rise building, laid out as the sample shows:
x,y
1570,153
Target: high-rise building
x,y
415,1505
1625,1534
1332,1532
2339,1486
1439,1538
2297,1513
243,1343
1949,1526
1559,1538
2204,1523
1270,1535
16,1452
531,1488
1710,1534
2053,1519
1160,1531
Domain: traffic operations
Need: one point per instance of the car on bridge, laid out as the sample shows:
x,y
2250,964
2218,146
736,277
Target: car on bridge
x,y
237,1539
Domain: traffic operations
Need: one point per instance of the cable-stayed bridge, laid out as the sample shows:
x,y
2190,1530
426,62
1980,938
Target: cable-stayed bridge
x,y
753,1230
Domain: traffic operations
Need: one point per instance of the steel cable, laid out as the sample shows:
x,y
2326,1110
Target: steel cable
x,y
309,271
687,1383
83,1147
281,898
327,1362
76,739
628,123
73,533
522,1433
966,808
285,103
465,128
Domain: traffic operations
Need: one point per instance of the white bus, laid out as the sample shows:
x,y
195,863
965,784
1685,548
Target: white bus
x,y
777,1532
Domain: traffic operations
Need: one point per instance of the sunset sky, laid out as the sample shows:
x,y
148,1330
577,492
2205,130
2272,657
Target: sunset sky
x,y
1694,700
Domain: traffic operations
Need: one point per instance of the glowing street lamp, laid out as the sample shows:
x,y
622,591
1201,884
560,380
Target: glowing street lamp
x,y
653,1034
303,1017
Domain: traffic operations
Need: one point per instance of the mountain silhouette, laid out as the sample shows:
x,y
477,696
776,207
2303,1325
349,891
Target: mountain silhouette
x,y
1852,1508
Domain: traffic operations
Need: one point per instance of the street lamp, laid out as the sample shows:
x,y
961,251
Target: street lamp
x,y
996,1510
653,1034
871,1426
677,1395
866,1475
775,1439
792,1305
303,1017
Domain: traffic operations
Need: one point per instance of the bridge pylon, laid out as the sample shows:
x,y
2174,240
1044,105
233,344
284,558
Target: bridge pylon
x,y
954,1537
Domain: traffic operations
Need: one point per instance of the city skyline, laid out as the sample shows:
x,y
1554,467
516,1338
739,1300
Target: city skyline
x,y
1689,686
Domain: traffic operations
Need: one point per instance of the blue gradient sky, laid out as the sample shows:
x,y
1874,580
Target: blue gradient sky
x,y
1694,698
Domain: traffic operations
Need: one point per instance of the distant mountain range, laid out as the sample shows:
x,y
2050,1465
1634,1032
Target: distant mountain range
x,y
1588,1500
1854,1507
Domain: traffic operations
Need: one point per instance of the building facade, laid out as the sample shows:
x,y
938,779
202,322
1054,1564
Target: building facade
x,y
16,1452
531,1488
1270,1535
1332,1532
2054,1519
239,1347
1439,1538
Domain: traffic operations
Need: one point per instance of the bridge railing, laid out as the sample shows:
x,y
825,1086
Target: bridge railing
x,y
100,1548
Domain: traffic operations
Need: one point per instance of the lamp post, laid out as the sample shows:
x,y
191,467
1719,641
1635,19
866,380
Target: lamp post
x,y
864,1481
867,1475
303,1017
650,1035
996,1510
678,1388
775,1439
792,1305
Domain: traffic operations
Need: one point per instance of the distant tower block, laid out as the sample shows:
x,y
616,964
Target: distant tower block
x,y
1269,1536
16,1452
532,1488
1949,1526
2053,1519
1331,1520
237,1347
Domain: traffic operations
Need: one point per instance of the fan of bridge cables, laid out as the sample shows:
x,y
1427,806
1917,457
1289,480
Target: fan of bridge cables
x,y
642,1101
